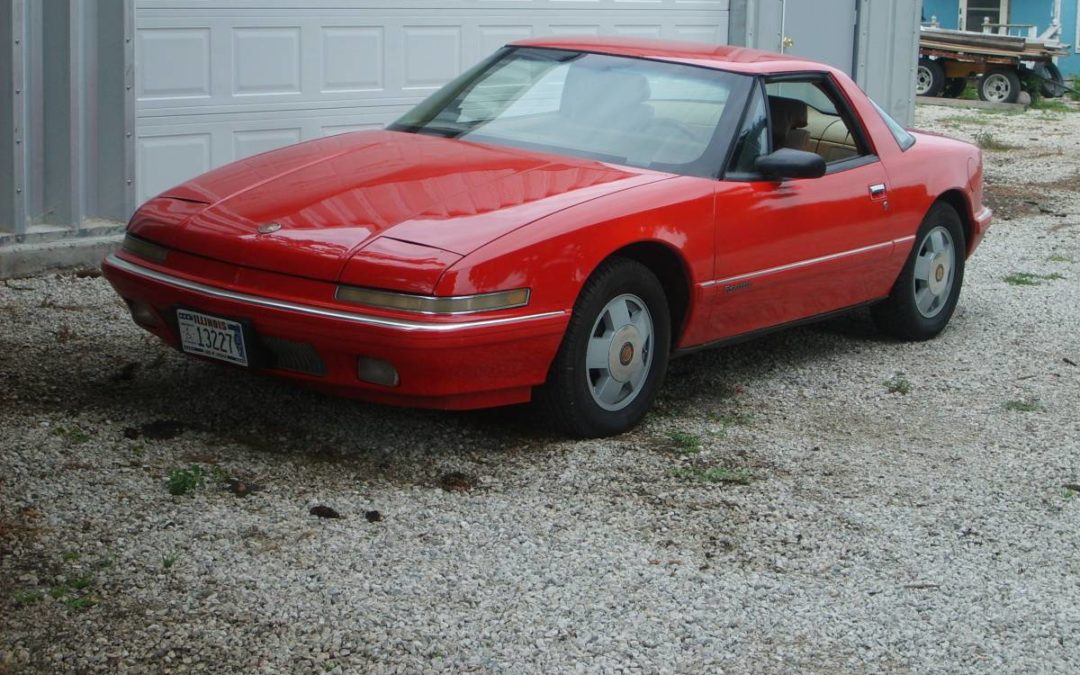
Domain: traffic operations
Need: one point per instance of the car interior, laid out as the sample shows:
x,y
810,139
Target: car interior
x,y
804,118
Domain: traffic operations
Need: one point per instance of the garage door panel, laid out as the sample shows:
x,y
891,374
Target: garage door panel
x,y
218,80
266,61
352,59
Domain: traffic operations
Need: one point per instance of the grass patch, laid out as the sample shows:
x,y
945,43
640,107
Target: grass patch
x,y
1030,279
73,435
1061,259
1023,406
716,474
167,561
27,598
183,481
987,141
1051,104
686,444
898,384
960,120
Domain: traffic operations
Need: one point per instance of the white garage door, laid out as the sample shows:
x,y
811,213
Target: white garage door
x,y
219,80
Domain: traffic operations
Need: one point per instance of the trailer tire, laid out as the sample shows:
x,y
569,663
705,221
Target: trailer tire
x,y
929,78
1052,83
1000,85
954,86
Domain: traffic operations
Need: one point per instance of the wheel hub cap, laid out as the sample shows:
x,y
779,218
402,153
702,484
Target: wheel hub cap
x,y
619,352
933,278
624,358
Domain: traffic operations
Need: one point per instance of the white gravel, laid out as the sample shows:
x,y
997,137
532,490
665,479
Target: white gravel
x,y
881,532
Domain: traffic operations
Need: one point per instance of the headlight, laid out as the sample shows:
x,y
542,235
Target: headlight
x,y
145,249
427,304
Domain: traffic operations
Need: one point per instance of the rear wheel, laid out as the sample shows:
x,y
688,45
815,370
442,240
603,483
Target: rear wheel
x,y
614,354
1052,84
1001,85
924,297
929,78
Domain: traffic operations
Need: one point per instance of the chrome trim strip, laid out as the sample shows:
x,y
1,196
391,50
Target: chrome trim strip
x,y
382,322
804,263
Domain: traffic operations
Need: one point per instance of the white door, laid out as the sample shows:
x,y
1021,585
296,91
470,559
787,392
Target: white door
x,y
220,80
974,13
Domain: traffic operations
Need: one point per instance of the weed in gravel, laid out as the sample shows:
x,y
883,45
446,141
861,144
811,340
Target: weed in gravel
x,y
1051,104
1023,406
898,384
183,481
715,474
1061,259
73,435
80,603
27,598
685,443
72,556
960,120
729,420
167,561
1070,491
1031,279
986,141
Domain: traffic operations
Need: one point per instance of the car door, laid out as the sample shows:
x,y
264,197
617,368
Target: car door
x,y
797,248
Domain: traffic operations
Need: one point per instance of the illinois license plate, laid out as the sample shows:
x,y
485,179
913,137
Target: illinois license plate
x,y
212,336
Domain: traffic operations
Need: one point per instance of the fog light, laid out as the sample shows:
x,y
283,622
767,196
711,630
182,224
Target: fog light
x,y
143,314
377,371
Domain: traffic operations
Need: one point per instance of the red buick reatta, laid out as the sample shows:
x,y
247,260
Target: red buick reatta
x,y
555,224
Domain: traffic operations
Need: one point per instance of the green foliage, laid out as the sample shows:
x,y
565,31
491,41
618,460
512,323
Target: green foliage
x,y
27,598
183,481
73,435
1023,406
986,141
898,384
1031,279
687,444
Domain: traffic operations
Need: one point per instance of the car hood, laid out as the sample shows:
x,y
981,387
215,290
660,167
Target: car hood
x,y
307,209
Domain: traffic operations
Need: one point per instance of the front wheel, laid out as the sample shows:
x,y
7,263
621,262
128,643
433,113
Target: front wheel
x,y
924,297
614,354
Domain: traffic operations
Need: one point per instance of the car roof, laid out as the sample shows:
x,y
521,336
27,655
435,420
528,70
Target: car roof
x,y
723,57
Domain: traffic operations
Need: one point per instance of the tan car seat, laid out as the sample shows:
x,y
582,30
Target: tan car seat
x,y
789,120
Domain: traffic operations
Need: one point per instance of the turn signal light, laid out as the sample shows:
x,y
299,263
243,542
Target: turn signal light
x,y
428,304
145,249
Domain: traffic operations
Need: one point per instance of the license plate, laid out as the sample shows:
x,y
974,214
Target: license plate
x,y
212,336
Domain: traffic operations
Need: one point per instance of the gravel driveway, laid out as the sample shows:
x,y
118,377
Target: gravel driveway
x,y
820,500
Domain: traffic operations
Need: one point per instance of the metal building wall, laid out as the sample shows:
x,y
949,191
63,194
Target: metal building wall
x,y
65,143
886,36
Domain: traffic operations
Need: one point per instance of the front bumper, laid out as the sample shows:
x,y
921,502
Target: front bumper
x,y
981,225
463,362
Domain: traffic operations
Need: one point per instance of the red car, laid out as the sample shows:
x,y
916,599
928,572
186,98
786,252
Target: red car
x,y
556,224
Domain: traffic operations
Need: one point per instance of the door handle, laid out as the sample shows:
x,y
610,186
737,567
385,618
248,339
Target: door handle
x,y
877,191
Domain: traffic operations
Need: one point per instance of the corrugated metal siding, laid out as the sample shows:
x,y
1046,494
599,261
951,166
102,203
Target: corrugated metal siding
x,y
888,53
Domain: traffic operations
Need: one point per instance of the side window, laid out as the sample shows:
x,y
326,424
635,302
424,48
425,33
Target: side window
x,y
753,138
806,115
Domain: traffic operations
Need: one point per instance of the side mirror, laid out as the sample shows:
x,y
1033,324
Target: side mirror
x,y
788,163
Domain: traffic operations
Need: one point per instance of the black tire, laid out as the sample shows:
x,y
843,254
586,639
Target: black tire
x,y
567,398
1000,85
1052,83
900,314
929,78
954,86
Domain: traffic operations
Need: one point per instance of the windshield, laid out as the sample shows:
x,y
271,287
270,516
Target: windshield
x,y
649,114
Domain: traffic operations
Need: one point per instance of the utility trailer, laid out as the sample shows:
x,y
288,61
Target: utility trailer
x,y
1004,64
